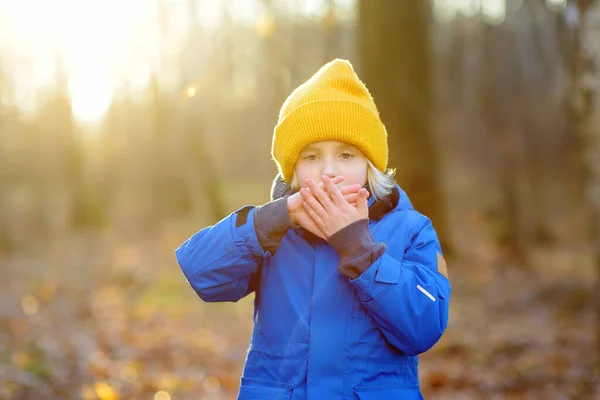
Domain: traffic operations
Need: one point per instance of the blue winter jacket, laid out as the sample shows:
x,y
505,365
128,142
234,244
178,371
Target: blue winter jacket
x,y
318,334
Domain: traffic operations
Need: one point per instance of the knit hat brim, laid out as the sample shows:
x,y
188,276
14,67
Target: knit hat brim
x,y
335,119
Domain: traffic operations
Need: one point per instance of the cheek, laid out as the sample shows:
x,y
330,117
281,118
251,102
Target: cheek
x,y
356,177
306,172
356,174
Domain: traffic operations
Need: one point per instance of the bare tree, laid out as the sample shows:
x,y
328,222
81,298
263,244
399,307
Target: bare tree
x,y
396,66
585,105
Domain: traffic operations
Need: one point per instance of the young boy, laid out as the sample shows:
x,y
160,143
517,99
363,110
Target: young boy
x,y
350,283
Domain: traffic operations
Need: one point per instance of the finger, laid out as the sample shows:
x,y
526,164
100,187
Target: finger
x,y
362,202
351,197
363,194
312,213
314,204
310,225
338,179
319,232
353,202
350,189
318,192
333,190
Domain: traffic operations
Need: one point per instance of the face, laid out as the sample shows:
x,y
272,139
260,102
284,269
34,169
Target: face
x,y
331,158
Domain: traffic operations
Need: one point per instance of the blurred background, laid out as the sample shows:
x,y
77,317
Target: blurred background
x,y
126,126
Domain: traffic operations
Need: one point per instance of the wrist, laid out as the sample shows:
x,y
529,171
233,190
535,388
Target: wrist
x,y
357,248
353,240
271,222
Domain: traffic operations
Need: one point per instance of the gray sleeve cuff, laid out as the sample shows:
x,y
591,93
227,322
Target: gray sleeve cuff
x,y
356,247
271,222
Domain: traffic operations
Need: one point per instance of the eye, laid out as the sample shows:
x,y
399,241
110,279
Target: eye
x,y
310,157
346,156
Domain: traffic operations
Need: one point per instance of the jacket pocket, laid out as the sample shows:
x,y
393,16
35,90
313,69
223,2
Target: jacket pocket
x,y
259,389
387,393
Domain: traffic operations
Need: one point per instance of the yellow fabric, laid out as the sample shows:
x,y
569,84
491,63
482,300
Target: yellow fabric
x,y
332,105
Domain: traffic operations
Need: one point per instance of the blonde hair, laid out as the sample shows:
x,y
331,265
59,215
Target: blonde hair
x,y
380,183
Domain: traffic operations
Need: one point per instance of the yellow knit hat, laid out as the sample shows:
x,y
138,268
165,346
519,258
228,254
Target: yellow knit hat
x,y
332,105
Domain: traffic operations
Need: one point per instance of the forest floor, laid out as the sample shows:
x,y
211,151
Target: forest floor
x,y
93,317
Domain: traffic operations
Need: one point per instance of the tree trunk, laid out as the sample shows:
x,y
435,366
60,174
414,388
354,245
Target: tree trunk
x,y
585,105
395,64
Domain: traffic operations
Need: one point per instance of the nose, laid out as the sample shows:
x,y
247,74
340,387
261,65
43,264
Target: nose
x,y
330,169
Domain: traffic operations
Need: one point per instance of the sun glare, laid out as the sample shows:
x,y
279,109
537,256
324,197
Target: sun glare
x,y
94,42
99,47
191,91
91,94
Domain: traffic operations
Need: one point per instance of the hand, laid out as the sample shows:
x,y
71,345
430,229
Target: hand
x,y
299,215
328,208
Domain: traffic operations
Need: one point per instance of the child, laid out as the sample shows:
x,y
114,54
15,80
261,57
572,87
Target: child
x,y
349,280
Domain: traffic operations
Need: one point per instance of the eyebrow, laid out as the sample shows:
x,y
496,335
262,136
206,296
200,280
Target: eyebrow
x,y
341,146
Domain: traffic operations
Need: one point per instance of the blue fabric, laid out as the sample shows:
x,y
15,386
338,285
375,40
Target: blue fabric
x,y
317,334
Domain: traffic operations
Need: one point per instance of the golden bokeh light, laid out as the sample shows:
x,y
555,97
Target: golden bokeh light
x,y
162,395
106,392
30,305
191,91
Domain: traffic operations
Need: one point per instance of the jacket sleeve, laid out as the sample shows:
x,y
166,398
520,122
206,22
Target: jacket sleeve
x,y
408,299
221,262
